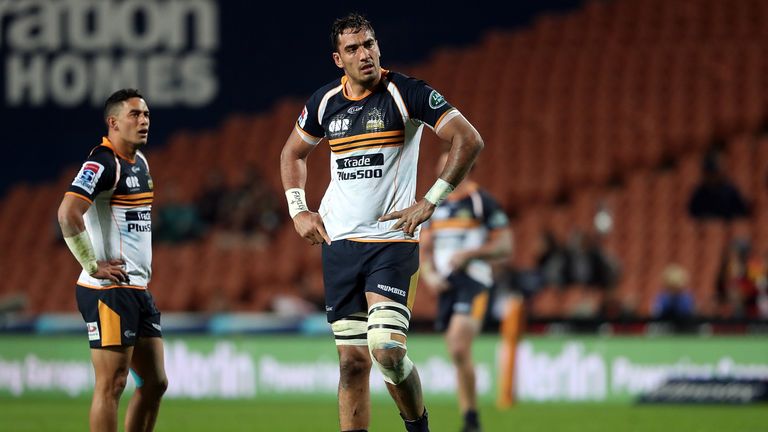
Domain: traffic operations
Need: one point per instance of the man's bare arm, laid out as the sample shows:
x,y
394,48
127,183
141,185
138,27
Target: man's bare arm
x,y
70,214
466,145
293,172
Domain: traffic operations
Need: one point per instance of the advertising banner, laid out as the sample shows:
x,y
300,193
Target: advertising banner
x,y
548,369
620,369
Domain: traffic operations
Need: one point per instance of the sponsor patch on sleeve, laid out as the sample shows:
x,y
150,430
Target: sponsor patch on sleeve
x,y
88,176
303,117
436,100
499,219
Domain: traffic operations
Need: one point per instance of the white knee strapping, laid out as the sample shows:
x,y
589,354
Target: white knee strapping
x,y
385,319
351,330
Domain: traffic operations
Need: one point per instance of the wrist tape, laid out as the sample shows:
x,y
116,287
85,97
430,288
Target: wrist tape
x,y
297,202
439,191
81,247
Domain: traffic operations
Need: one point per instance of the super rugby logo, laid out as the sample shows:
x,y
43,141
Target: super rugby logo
x,y
88,176
303,118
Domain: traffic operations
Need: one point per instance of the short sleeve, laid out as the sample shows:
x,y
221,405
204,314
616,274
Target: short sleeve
x,y
97,174
423,102
493,215
308,124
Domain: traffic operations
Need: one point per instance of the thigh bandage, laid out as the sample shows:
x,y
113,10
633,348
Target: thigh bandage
x,y
384,320
351,330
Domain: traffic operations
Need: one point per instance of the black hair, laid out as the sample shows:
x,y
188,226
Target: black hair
x,y
354,21
117,98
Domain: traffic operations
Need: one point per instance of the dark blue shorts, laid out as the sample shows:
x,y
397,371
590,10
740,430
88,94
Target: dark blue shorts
x,y
464,296
351,268
118,316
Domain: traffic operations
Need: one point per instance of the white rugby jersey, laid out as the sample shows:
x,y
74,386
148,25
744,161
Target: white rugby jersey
x,y
464,223
119,220
374,142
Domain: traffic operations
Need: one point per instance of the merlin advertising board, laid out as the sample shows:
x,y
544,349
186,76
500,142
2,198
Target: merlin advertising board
x,y
548,369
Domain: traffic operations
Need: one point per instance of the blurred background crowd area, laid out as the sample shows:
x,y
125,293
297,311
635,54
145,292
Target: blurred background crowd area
x,y
627,141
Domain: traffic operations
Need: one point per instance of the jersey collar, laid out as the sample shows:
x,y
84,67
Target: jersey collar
x,y
367,93
107,143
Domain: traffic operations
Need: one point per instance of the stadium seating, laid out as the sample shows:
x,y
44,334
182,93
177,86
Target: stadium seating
x,y
613,104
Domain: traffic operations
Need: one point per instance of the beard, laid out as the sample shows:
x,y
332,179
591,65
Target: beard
x,y
369,79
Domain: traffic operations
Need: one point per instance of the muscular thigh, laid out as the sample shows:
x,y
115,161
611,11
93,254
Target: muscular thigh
x,y
148,359
111,362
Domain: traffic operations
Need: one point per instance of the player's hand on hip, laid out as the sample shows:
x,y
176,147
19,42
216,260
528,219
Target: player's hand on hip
x,y
409,219
459,261
113,270
310,226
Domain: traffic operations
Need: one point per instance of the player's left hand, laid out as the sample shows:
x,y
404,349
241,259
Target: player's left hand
x,y
409,219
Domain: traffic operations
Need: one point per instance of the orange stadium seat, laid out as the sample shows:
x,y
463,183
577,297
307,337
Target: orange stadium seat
x,y
574,109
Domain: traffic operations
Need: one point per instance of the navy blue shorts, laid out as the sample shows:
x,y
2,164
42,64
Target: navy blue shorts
x,y
464,296
118,316
350,269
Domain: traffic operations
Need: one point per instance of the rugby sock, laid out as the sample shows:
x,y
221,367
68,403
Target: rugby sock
x,y
421,424
471,419
136,377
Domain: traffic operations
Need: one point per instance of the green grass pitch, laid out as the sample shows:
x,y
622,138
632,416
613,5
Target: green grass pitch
x,y
295,415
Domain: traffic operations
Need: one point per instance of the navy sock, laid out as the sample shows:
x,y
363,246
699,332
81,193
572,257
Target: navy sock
x,y
471,418
421,424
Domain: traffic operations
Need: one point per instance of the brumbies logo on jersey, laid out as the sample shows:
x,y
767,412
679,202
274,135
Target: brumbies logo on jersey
x,y
374,121
88,176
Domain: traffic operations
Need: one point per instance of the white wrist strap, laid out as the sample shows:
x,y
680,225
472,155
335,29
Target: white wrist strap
x,y
439,191
297,202
81,247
